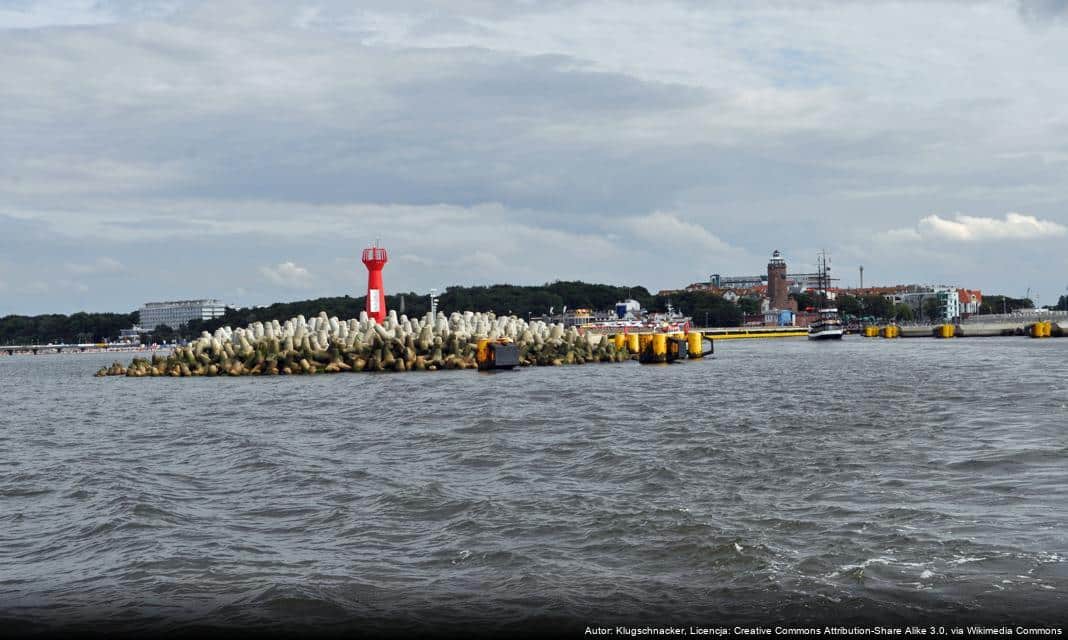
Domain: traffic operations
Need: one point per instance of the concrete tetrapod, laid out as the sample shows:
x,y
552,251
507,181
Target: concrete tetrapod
x,y
324,344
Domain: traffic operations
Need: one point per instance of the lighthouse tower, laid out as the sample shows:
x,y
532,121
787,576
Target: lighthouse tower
x,y
375,259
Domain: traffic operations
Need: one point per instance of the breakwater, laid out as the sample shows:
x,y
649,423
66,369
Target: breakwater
x,y
324,344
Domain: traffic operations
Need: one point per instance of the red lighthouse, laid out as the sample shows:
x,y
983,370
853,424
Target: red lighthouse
x,y
375,258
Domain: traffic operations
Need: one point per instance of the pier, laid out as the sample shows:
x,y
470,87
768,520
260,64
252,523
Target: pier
x,y
1051,324
740,333
35,349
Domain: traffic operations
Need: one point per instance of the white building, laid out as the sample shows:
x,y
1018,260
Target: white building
x,y
175,313
948,302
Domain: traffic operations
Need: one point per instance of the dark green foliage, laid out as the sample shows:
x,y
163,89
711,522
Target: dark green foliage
x,y
80,327
903,313
871,306
932,310
749,306
805,301
848,306
1004,304
502,299
536,301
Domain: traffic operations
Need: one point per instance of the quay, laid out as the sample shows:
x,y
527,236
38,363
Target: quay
x,y
95,347
741,333
1036,329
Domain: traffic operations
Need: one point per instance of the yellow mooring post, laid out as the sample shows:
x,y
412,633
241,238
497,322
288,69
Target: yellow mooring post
x,y
891,331
633,344
620,340
871,331
945,331
482,354
654,348
693,344
1040,329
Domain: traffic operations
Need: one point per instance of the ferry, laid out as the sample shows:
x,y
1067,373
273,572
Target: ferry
x,y
827,326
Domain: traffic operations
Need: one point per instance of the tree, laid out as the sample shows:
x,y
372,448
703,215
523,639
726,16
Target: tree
x,y
932,309
163,333
1004,304
849,306
749,306
903,312
805,300
76,328
1062,303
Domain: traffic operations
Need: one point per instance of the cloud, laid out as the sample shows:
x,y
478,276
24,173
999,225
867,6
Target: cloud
x,y
1043,9
288,274
662,228
415,259
516,141
962,228
100,266
74,285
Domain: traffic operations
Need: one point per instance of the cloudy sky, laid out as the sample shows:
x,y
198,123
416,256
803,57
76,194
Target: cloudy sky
x,y
250,150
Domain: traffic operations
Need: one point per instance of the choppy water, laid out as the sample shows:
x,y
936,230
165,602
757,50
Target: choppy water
x,y
784,480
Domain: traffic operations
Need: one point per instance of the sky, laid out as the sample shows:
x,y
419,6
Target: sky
x,y
249,151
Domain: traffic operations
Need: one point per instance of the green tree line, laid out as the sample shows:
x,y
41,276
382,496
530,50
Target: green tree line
x,y
80,327
523,301
1004,304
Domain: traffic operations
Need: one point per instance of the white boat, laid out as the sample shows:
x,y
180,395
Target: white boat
x,y
827,326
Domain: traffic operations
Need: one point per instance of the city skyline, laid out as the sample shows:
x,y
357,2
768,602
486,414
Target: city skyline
x,y
249,151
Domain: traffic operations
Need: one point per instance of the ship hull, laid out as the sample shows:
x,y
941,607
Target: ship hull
x,y
826,334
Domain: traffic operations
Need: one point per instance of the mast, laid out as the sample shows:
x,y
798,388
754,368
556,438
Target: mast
x,y
821,277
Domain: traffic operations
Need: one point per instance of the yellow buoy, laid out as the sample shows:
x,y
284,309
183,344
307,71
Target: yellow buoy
x,y
693,344
620,340
871,331
945,331
633,343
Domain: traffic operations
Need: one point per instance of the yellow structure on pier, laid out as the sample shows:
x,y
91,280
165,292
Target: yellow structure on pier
x,y
891,331
694,342
654,348
945,331
1040,329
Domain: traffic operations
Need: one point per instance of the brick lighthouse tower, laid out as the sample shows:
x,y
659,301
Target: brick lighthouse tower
x,y
777,291
375,258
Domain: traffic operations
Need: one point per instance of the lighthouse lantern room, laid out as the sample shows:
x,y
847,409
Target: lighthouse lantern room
x,y
375,258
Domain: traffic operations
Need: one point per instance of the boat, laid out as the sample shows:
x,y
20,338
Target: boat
x,y
827,325
635,321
